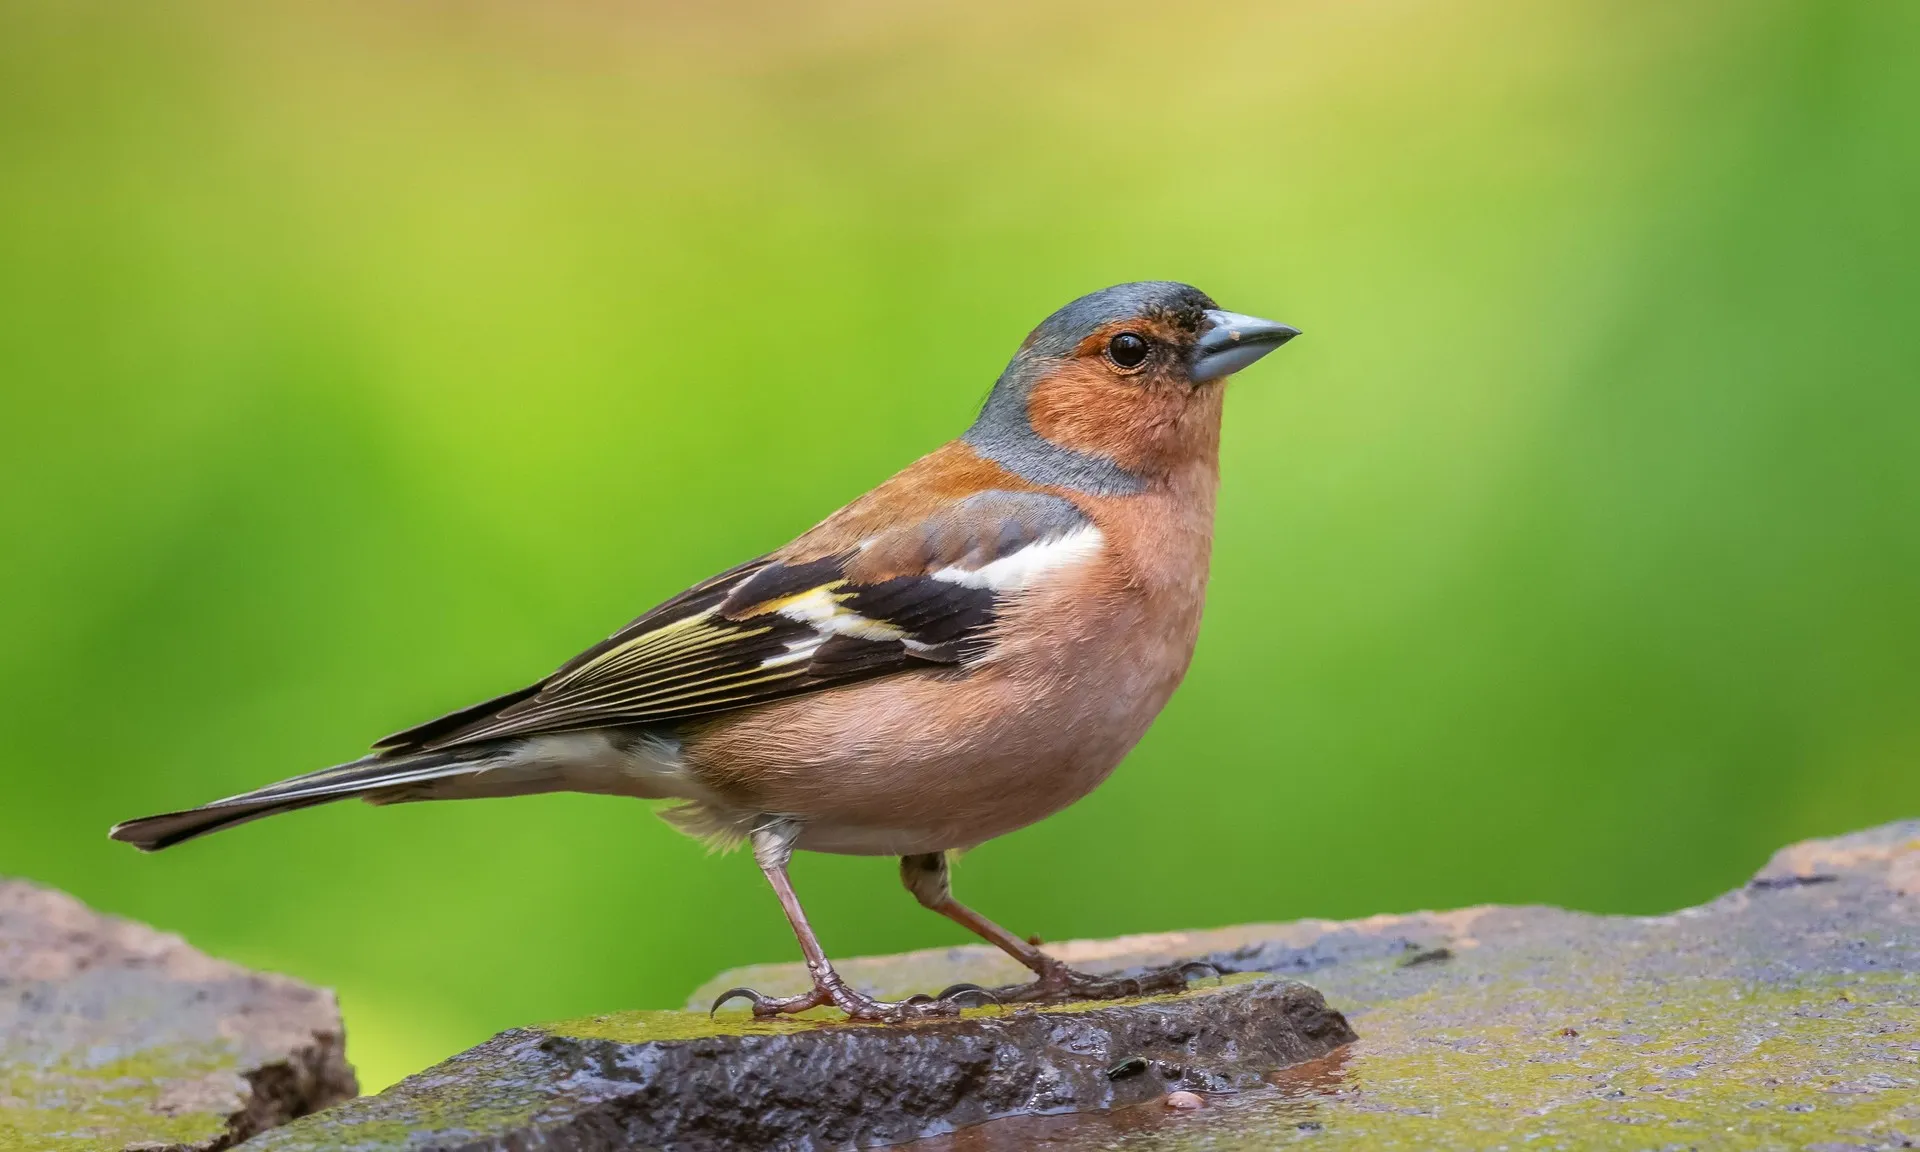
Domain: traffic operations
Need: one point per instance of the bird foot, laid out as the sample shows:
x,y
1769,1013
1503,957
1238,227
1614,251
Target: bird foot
x,y
830,990
1060,982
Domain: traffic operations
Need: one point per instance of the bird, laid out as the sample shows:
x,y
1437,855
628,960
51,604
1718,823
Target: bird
x,y
968,648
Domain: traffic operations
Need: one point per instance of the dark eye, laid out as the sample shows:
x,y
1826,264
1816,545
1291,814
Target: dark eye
x,y
1127,349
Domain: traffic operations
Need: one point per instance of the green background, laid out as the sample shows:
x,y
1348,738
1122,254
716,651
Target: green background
x,y
361,360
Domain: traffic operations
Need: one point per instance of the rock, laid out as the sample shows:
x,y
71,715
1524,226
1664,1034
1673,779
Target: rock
x,y
681,1080
113,1035
1783,1014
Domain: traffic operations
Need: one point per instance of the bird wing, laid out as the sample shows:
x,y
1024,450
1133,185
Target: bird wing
x,y
917,596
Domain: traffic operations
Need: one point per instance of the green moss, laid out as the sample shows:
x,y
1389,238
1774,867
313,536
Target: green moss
x,y
136,1098
448,1099
639,1027
1490,1056
643,1027
448,1110
1695,1064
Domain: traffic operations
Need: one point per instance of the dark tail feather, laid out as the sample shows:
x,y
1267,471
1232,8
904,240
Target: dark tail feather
x,y
359,778
152,833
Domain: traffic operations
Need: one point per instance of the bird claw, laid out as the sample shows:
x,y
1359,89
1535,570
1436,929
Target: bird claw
x,y
835,993
729,994
764,1005
953,992
1059,983
1064,983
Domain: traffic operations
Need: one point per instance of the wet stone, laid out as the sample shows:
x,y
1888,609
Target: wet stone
x,y
681,1080
113,1036
1785,1014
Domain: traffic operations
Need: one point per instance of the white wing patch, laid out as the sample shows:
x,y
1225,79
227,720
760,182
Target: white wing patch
x,y
822,611
829,611
1023,569
831,618
797,652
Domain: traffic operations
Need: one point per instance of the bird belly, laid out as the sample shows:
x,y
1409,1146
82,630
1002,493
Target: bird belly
x,y
925,762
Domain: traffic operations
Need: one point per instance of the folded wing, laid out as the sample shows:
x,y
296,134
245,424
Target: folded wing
x,y
920,596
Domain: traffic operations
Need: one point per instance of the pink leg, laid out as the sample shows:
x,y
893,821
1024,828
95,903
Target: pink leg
x,y
928,878
772,849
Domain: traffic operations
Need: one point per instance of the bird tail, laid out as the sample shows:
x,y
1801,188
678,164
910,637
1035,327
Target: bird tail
x,y
368,776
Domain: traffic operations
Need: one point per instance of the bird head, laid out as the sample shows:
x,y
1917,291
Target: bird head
x,y
1119,386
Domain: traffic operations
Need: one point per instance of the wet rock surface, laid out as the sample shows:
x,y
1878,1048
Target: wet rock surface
x,y
113,1035
684,1081
1785,1014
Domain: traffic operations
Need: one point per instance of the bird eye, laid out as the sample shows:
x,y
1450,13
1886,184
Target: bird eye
x,y
1127,349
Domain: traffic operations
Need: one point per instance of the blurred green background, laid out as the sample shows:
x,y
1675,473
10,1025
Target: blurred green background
x,y
361,360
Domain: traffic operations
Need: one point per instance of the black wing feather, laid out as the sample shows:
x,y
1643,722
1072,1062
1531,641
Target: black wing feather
x,y
769,630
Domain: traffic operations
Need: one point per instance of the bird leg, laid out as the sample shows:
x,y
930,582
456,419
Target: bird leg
x,y
927,877
772,850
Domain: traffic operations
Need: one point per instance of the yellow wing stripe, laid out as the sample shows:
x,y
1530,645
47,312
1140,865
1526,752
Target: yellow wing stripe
x,y
678,649
691,634
678,678
698,632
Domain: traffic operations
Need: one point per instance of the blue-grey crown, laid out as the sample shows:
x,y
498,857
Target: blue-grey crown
x,y
1003,432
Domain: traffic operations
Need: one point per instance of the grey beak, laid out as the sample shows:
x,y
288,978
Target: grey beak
x,y
1232,341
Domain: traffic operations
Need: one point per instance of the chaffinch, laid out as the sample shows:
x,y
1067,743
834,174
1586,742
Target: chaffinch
x,y
969,647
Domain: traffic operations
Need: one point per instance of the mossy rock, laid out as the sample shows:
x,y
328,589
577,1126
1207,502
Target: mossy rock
x,y
684,1080
114,1036
1782,1015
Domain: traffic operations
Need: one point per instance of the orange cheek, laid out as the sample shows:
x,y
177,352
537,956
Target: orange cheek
x,y
1085,408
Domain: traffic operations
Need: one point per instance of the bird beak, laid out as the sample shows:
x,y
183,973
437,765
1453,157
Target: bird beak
x,y
1232,341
